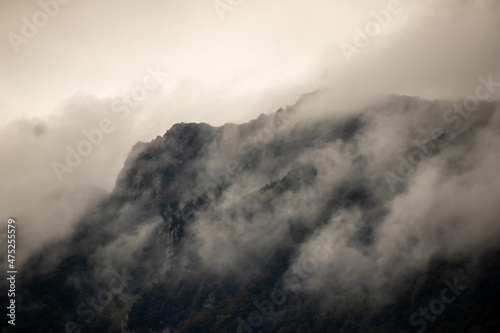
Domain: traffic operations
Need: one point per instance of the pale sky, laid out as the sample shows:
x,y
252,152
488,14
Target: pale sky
x,y
103,47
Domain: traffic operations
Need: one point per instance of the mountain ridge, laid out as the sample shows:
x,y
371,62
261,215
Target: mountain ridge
x,y
208,220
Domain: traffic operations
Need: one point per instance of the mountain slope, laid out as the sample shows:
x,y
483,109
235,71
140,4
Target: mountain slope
x,y
344,222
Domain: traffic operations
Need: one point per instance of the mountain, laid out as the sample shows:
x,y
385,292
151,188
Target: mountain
x,y
378,219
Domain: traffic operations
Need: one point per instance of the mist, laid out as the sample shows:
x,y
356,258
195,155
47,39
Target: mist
x,y
262,56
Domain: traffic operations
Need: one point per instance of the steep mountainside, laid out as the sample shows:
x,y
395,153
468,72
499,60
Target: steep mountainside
x,y
340,222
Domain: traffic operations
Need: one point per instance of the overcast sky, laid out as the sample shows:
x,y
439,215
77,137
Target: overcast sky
x,y
220,67
102,48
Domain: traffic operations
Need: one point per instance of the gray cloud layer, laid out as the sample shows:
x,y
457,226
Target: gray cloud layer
x,y
374,237
219,71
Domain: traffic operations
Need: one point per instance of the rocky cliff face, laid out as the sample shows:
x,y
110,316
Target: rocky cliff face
x,y
346,222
